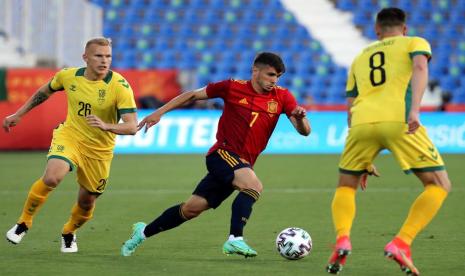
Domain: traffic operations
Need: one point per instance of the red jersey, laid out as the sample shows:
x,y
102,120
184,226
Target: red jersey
x,y
248,118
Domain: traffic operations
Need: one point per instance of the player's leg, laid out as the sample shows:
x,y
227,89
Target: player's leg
x,y
250,187
415,152
92,176
55,171
231,173
171,217
427,204
359,152
81,213
343,213
176,215
422,211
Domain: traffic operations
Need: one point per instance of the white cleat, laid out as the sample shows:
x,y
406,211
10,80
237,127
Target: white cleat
x,y
16,233
68,243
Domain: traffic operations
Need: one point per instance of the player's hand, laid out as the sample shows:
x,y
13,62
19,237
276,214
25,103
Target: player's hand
x,y
149,121
95,121
371,171
10,121
299,113
413,122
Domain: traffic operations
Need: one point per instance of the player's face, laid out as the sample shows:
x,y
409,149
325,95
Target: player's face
x,y
265,77
98,59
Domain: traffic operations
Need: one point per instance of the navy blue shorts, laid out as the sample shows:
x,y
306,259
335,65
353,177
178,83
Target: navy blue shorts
x,y
216,186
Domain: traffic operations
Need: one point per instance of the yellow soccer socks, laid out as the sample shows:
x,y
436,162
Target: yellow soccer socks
x,y
78,217
36,198
343,210
423,209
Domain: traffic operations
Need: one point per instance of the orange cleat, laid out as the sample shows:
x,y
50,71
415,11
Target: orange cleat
x,y
399,251
337,260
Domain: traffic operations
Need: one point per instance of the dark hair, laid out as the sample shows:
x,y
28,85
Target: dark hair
x,y
390,17
271,59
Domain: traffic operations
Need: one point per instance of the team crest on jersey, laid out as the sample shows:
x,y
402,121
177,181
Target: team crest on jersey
x,y
72,87
101,96
60,148
272,107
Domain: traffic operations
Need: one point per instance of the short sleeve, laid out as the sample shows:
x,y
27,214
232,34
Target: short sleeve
x,y
56,84
218,89
125,101
419,46
289,103
351,86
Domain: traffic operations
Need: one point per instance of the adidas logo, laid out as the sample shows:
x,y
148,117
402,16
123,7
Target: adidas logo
x,y
243,101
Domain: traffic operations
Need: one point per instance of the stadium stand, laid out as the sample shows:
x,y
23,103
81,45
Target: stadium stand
x,y
442,22
219,39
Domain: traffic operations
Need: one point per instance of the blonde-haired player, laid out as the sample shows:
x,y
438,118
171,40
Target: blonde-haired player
x,y
384,89
97,99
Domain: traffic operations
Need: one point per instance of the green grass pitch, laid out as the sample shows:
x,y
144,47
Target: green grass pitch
x,y
298,191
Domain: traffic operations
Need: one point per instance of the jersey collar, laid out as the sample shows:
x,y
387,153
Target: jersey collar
x,y
107,79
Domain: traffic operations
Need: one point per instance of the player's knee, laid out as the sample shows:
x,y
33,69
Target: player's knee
x,y
51,180
445,184
252,193
256,186
251,184
439,178
190,211
86,204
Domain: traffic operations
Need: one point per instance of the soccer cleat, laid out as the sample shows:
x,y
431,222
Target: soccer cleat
x,y
16,233
338,258
399,251
136,239
68,243
238,247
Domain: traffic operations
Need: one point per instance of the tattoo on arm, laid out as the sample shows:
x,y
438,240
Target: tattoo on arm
x,y
37,99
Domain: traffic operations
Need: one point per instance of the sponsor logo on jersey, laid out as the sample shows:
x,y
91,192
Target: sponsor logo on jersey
x,y
244,101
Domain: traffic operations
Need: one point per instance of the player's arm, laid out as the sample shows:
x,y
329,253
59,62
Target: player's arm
x,y
41,95
127,127
183,99
350,101
419,82
299,120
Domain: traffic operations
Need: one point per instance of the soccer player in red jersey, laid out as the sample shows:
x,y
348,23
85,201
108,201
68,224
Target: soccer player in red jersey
x,y
251,112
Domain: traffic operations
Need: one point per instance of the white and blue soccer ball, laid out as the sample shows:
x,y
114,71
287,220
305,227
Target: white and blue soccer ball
x,y
294,243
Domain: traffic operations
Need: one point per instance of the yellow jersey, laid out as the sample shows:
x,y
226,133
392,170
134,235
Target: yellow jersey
x,y
379,79
107,99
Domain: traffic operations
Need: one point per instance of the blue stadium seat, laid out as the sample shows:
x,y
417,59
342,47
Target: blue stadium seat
x,y
345,5
459,96
425,5
201,33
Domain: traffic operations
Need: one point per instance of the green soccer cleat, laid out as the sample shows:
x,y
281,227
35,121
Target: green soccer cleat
x,y
238,247
136,239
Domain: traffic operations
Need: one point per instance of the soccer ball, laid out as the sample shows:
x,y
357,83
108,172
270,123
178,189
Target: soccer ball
x,y
294,243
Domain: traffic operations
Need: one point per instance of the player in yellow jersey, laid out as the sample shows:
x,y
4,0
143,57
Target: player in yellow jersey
x,y
384,89
97,98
